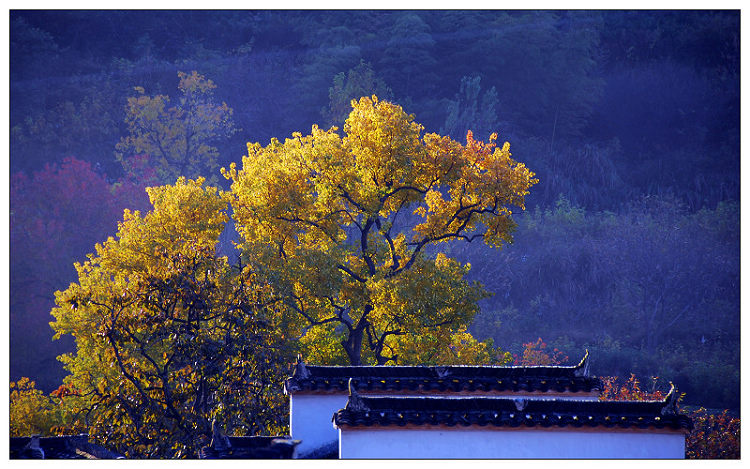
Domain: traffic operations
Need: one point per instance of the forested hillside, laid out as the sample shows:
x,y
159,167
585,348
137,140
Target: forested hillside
x,y
630,120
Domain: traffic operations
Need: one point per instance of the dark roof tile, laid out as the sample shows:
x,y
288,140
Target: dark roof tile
x,y
504,412
444,378
58,447
251,447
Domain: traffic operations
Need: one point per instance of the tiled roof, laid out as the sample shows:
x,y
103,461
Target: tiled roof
x,y
443,378
251,447
246,447
58,447
510,413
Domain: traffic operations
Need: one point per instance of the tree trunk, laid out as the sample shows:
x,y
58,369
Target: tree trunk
x,y
383,360
353,343
353,347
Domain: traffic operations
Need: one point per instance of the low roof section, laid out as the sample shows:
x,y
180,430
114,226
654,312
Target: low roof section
x,y
222,446
58,447
510,413
485,380
250,447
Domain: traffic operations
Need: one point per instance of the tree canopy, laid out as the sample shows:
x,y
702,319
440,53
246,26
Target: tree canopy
x,y
342,226
178,138
607,107
170,336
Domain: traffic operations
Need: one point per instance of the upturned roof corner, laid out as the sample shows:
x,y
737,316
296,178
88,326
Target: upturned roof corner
x,y
300,369
670,401
355,402
582,369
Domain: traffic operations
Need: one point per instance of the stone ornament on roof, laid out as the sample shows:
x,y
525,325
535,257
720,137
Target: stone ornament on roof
x,y
300,370
219,441
582,369
520,403
670,401
442,371
33,450
251,447
355,402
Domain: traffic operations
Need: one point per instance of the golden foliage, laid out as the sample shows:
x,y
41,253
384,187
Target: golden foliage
x,y
168,335
342,223
30,409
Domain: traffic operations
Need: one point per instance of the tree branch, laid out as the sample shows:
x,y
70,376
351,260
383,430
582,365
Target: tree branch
x,y
352,274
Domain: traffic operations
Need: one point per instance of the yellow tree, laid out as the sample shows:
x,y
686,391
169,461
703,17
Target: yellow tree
x,y
342,227
169,336
30,409
179,139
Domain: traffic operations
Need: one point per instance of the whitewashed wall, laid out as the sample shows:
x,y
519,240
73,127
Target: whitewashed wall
x,y
311,414
310,419
481,443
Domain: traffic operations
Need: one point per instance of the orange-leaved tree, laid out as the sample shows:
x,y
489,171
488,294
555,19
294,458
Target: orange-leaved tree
x,y
536,354
714,436
346,229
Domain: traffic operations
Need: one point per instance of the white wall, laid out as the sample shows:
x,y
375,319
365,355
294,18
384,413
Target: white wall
x,y
480,443
310,419
311,414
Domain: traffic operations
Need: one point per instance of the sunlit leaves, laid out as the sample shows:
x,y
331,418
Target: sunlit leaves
x,y
169,335
537,354
57,214
631,390
29,409
332,221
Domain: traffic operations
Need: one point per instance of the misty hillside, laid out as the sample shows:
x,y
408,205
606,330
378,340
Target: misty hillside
x,y
628,245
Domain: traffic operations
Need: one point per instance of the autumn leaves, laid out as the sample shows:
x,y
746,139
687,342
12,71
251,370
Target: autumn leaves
x,y
337,261
346,206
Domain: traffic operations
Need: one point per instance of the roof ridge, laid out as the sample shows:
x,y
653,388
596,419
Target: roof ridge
x,y
302,369
509,411
451,378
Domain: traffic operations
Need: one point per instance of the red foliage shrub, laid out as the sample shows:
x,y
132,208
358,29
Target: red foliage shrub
x,y
714,436
536,354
